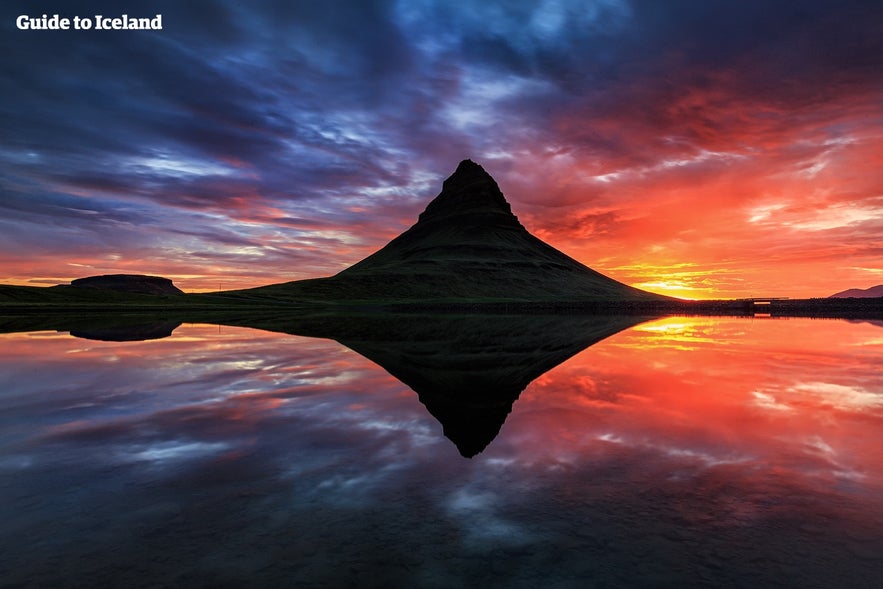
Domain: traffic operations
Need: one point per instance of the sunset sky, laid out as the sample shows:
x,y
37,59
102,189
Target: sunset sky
x,y
695,148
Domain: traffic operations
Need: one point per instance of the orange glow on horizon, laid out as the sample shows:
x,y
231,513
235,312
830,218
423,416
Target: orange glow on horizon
x,y
795,219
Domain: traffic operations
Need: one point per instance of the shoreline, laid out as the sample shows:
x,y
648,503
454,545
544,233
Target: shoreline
x,y
847,308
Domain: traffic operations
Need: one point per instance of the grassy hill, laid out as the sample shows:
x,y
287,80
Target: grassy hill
x,y
11,296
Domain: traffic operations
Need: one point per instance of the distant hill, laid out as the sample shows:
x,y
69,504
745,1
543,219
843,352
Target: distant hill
x,y
134,283
115,291
858,293
466,246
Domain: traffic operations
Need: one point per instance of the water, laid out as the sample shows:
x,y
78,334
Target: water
x,y
675,452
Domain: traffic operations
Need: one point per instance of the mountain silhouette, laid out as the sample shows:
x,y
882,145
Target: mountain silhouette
x,y
466,246
129,283
860,293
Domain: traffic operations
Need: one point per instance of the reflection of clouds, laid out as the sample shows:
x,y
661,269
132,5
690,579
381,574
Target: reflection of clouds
x,y
419,433
703,458
846,397
843,397
817,443
320,461
731,402
830,459
699,458
355,488
479,517
177,398
768,401
164,452
305,412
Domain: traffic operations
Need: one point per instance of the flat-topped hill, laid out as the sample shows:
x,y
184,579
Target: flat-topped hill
x,y
135,283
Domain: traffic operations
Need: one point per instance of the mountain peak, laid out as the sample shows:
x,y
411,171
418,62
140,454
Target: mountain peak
x,y
468,246
469,190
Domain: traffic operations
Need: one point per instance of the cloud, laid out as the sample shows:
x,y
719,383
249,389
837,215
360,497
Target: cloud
x,y
350,114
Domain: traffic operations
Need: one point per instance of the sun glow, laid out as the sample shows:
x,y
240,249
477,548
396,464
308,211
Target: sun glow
x,y
674,288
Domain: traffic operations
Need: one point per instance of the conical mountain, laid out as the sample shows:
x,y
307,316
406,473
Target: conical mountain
x,y
466,246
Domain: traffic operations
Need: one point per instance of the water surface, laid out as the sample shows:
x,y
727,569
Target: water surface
x,y
676,452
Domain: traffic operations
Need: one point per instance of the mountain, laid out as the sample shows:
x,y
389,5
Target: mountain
x,y
466,246
858,293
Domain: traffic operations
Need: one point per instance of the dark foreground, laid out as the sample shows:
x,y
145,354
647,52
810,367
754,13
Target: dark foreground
x,y
21,301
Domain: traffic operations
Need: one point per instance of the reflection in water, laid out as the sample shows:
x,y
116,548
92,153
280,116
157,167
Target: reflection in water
x,y
129,332
684,451
469,370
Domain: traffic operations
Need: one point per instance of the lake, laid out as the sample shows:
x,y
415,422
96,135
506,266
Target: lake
x,y
443,452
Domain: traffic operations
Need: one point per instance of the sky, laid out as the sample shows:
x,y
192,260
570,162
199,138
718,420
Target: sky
x,y
696,148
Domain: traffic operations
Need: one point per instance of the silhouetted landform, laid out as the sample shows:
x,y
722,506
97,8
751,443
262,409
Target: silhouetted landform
x,y
850,308
859,293
133,283
466,246
67,298
466,253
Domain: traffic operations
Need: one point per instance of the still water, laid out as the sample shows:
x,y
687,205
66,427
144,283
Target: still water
x,y
684,451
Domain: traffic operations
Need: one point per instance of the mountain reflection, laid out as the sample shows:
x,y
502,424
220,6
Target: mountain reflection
x,y
467,370
128,332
